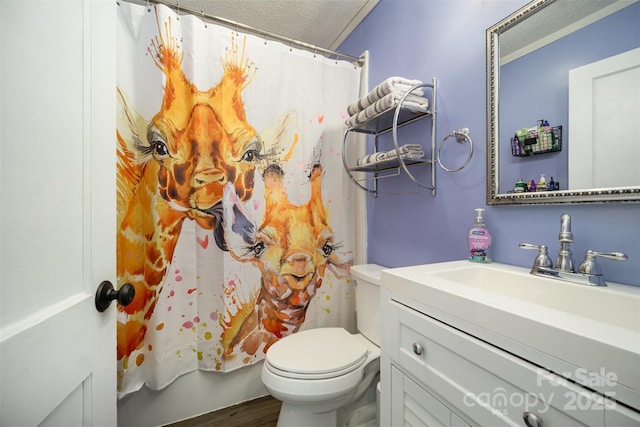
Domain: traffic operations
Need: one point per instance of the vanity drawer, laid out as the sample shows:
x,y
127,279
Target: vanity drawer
x,y
487,384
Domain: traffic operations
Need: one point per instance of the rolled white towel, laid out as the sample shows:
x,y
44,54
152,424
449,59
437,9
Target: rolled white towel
x,y
389,101
407,148
391,160
406,151
392,84
414,154
370,158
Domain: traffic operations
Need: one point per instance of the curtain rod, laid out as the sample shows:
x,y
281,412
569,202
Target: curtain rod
x,y
359,61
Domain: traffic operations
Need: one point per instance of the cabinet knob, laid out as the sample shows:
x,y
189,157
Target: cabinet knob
x,y
531,419
417,349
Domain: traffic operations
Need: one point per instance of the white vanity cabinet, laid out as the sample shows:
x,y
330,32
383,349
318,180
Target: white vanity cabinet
x,y
436,375
415,406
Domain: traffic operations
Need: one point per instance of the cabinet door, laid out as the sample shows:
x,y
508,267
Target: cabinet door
x,y
414,406
456,421
616,415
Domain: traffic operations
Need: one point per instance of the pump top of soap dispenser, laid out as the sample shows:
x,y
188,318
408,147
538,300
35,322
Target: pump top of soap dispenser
x,y
479,219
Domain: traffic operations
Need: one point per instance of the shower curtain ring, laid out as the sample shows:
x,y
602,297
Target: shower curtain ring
x,y
178,10
203,18
148,6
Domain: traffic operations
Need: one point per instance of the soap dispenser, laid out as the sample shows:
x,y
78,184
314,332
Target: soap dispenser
x,y
479,239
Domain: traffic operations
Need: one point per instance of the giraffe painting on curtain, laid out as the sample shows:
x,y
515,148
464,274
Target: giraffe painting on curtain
x,y
175,167
292,247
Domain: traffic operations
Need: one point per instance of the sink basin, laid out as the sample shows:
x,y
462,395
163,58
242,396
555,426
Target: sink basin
x,y
562,326
617,305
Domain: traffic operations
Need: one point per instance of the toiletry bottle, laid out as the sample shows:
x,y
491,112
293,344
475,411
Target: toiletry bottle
x,y
543,142
515,146
542,184
521,136
532,186
552,185
479,239
554,141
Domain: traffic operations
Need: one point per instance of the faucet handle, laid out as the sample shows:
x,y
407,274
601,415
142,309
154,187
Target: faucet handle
x,y
542,260
590,266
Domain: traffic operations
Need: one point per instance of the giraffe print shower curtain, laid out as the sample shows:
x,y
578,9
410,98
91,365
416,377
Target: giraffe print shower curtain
x,y
235,220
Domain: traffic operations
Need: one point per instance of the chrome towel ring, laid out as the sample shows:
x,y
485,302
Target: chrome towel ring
x,y
461,136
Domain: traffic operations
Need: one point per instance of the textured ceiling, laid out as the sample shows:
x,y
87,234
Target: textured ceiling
x,y
554,21
322,23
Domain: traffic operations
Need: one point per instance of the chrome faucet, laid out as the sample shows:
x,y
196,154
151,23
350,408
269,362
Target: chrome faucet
x,y
564,261
589,272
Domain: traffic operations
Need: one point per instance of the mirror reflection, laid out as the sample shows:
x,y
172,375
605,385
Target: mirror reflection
x,y
564,98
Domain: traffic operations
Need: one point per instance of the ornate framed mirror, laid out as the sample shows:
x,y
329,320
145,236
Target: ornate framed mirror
x,y
568,73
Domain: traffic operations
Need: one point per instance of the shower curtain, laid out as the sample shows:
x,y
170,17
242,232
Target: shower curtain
x,y
235,216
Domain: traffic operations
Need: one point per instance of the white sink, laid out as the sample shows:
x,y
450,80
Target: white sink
x,y
562,326
614,305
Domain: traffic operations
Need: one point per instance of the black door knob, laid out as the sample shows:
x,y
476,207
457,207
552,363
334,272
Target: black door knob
x,y
105,294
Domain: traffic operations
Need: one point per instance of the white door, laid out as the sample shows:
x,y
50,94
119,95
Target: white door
x,y
604,106
57,217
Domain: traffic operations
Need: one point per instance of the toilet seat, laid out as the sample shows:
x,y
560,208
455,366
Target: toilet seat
x,y
316,354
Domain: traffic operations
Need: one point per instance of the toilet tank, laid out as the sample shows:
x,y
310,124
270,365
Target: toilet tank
x,y
367,277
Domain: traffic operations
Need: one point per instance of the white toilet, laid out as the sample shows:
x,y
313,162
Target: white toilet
x,y
326,376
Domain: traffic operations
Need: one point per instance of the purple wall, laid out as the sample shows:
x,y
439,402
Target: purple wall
x,y
446,39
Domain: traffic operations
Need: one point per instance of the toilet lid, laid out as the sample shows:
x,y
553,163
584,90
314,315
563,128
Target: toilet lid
x,y
321,352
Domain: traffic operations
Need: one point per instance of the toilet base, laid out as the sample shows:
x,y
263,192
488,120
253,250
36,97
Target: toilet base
x,y
291,416
364,411
360,413
366,416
